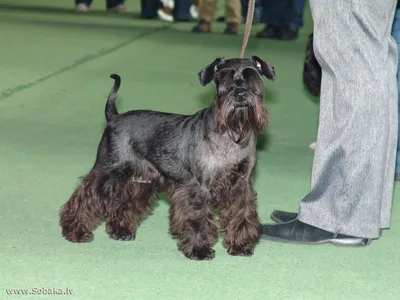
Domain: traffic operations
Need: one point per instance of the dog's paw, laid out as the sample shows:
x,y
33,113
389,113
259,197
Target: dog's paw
x,y
247,250
79,237
123,234
202,254
123,237
128,237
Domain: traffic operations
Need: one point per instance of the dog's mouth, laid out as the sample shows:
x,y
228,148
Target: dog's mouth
x,y
242,105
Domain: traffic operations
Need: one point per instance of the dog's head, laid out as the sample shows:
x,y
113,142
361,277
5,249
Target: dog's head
x,y
238,106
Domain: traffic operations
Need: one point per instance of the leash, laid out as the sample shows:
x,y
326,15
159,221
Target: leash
x,y
249,23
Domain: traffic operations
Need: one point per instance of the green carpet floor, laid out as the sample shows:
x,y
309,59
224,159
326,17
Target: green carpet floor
x,y
54,80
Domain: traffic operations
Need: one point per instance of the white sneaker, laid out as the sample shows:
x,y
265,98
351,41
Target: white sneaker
x,y
194,12
166,12
81,8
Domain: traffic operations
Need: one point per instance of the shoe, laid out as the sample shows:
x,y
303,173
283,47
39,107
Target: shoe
x,y
269,32
202,26
297,232
120,9
313,146
397,177
231,29
287,34
194,11
81,8
166,12
279,216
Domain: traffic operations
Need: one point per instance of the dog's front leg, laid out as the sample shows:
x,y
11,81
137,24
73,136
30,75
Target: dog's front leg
x,y
191,220
239,220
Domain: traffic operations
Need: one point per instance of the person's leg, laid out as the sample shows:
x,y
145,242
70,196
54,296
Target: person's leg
x,y
206,15
293,19
273,14
396,36
185,11
149,9
233,16
259,14
245,5
393,107
297,22
353,169
114,3
87,2
116,6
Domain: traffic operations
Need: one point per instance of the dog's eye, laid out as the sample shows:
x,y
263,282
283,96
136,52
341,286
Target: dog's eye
x,y
226,72
248,72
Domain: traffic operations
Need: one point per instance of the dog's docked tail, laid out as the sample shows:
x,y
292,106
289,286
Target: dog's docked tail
x,y
111,108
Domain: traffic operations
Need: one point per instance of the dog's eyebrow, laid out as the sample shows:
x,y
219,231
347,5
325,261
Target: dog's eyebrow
x,y
224,67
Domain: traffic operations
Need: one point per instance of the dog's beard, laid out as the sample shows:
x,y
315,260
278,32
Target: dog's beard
x,y
240,121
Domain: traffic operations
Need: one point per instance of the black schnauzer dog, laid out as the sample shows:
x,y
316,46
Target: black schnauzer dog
x,y
312,70
201,162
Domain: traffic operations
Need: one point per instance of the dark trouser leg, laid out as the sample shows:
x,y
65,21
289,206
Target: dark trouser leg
x,y
114,3
274,13
295,19
87,2
352,178
292,19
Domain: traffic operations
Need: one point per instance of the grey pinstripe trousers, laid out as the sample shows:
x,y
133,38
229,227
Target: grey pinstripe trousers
x,y
353,170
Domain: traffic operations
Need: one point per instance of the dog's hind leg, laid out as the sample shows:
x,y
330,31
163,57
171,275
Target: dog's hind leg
x,y
134,199
84,210
240,221
191,220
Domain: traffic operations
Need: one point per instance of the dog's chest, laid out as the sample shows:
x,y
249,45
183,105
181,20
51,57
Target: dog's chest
x,y
216,157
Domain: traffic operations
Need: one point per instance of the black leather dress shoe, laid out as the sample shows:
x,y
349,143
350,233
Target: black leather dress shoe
x,y
231,29
202,26
287,34
296,232
279,216
269,32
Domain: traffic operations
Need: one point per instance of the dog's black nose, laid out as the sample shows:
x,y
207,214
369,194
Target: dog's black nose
x,y
239,82
241,95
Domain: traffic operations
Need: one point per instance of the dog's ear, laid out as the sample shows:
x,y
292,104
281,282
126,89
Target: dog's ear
x,y
265,68
206,75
